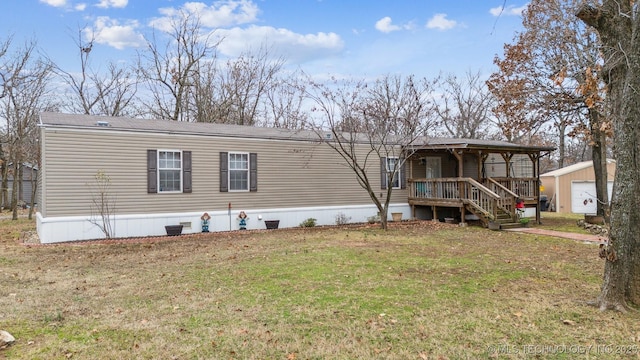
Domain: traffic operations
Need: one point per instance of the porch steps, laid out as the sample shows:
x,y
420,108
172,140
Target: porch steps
x,y
504,221
510,225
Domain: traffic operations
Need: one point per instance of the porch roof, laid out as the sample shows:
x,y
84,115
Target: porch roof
x,y
429,143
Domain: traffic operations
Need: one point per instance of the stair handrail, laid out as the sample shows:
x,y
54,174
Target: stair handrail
x,y
502,187
508,197
482,198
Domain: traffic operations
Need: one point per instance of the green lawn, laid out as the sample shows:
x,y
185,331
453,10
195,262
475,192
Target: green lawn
x,y
421,290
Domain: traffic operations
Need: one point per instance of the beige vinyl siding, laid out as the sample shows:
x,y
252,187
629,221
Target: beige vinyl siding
x,y
290,173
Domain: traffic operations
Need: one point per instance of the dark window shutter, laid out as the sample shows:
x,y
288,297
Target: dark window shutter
x,y
383,173
186,172
403,176
224,172
253,172
152,171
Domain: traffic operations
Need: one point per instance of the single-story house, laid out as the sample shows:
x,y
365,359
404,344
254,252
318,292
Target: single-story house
x,y
572,189
168,173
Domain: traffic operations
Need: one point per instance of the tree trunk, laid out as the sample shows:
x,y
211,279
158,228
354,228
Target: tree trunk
x,y
599,157
34,191
4,172
618,26
15,190
622,268
562,129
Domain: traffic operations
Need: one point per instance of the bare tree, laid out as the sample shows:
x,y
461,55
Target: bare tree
x,y
284,107
208,105
368,123
618,24
247,81
171,72
103,204
25,80
93,93
464,108
239,91
4,168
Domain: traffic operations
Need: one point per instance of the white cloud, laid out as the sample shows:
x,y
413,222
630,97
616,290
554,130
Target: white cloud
x,y
55,3
440,22
65,4
508,11
110,32
220,14
294,47
112,3
223,17
384,25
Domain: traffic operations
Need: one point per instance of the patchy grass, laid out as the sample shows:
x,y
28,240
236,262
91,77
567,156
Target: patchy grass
x,y
421,290
562,222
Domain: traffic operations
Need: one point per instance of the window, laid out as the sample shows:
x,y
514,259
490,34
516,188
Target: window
x,y
389,166
168,171
238,171
392,166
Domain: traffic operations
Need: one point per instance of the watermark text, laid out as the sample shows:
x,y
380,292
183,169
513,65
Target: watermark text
x,y
602,349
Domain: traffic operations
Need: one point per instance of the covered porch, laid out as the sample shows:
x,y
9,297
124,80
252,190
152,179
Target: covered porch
x,y
474,179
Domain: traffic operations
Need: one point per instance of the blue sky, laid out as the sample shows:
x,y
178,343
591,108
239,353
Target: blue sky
x,y
338,37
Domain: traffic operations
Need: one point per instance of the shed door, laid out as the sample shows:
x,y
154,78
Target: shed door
x,y
583,196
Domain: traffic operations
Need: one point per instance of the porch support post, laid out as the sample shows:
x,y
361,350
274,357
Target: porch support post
x,y
435,213
410,160
507,162
535,159
482,157
459,156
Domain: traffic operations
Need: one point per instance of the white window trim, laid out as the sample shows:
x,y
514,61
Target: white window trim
x,y
398,171
229,170
181,171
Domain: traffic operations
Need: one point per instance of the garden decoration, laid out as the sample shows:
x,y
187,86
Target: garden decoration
x,y
205,222
242,220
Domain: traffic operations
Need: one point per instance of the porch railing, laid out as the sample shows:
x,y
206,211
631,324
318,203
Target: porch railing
x,y
521,187
440,189
466,190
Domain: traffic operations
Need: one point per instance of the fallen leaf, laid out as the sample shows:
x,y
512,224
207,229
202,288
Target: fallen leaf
x,y
568,322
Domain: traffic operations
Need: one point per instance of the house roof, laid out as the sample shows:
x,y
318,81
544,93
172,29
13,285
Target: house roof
x,y
60,120
572,168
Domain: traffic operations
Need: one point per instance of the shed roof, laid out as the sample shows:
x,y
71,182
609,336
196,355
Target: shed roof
x,y
75,121
572,168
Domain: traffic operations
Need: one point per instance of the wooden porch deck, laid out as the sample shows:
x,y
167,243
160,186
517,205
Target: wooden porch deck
x,y
492,200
